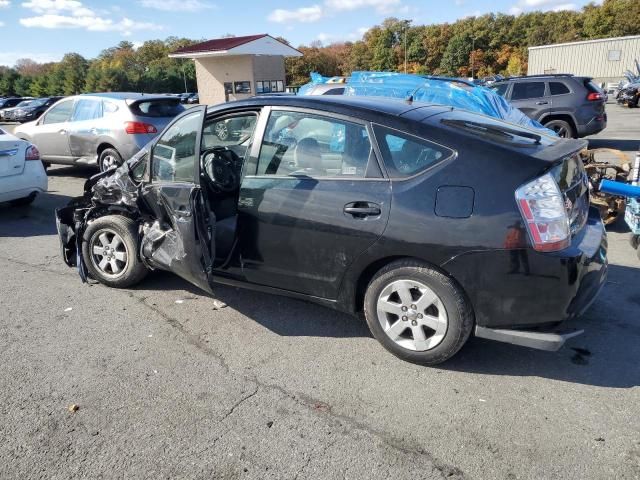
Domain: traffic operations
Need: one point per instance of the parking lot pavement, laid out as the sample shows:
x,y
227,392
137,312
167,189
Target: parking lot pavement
x,y
269,387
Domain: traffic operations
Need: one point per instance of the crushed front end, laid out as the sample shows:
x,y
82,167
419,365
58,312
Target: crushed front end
x,y
107,193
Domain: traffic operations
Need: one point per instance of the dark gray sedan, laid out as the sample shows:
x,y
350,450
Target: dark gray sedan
x,y
102,129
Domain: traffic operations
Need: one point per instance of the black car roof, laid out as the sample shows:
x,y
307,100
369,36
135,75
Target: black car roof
x,y
537,77
351,105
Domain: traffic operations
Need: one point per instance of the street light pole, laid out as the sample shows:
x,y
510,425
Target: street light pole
x,y
184,77
405,47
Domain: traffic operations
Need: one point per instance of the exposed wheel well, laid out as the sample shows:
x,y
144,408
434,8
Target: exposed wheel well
x,y
103,146
564,117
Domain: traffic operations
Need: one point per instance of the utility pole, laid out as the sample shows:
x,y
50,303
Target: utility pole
x,y
405,46
473,56
184,77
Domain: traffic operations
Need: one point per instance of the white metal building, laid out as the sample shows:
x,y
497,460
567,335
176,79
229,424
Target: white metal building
x,y
605,59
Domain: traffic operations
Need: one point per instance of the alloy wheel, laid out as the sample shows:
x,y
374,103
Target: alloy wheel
x,y
109,161
412,315
108,253
561,130
222,132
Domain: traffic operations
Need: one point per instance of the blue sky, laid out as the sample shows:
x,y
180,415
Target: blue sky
x,y
46,29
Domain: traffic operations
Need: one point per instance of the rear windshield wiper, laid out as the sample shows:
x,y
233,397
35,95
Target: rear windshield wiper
x,y
501,131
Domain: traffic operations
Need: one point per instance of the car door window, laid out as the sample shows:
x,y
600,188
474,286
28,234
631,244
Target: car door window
x,y
526,90
405,155
59,113
87,109
557,88
108,108
234,132
306,144
174,155
500,89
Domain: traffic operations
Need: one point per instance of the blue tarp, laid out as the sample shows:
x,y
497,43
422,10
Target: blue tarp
x,y
449,92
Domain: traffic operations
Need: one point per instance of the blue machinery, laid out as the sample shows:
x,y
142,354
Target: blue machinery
x,y
632,193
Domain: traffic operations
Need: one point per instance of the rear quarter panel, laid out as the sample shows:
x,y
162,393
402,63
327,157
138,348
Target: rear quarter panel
x,y
494,172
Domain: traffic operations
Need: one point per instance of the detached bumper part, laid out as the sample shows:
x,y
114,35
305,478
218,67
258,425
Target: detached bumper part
x,y
550,342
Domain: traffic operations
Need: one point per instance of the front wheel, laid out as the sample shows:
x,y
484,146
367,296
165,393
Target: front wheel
x,y
417,313
110,251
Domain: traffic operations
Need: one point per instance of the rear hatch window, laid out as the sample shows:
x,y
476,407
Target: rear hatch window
x,y
592,87
157,108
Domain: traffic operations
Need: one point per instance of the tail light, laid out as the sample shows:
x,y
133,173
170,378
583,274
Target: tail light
x,y
32,153
543,208
594,96
139,127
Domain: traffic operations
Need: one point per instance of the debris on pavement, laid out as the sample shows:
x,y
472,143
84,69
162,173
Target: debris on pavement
x,y
73,408
217,305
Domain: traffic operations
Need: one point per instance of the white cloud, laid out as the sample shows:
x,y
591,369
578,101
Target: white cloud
x,y
565,6
383,7
125,26
53,7
54,14
1,24
177,5
544,5
5,3
304,15
336,38
317,12
10,58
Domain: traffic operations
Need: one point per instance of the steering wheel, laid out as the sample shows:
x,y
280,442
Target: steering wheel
x,y
220,169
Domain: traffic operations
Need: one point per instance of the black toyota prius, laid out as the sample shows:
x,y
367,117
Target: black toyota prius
x,y
437,223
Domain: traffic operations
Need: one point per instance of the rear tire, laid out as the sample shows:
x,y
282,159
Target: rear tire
x,y
562,128
417,313
108,159
110,251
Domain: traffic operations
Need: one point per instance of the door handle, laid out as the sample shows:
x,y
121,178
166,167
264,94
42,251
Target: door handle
x,y
542,103
362,209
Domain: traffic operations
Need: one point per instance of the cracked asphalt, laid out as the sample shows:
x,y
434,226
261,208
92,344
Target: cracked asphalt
x,y
271,387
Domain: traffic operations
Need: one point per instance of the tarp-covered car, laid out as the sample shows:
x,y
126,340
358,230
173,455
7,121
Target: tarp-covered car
x,y
437,222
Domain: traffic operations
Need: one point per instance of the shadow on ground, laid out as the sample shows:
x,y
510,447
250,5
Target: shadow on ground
x,y
606,355
72,171
624,145
32,220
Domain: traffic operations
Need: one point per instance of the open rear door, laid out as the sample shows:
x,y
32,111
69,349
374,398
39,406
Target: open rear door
x,y
180,236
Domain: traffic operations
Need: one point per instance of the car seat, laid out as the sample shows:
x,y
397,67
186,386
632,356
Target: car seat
x,y
308,157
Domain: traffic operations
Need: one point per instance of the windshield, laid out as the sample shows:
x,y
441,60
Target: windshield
x,y
24,103
39,102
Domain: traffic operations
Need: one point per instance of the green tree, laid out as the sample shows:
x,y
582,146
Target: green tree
x,y
73,68
455,60
8,81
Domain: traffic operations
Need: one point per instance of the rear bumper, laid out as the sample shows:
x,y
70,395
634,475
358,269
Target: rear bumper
x,y
525,288
33,179
593,126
